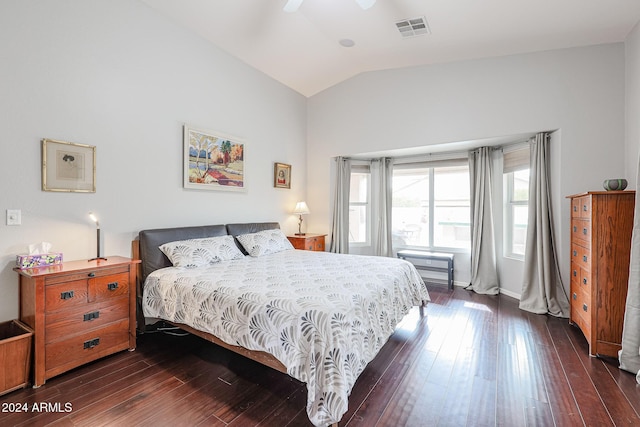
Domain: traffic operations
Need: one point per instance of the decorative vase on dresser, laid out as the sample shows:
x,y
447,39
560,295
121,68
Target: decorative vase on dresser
x,y
601,228
80,311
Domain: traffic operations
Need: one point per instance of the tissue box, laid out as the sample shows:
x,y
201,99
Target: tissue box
x,y
39,260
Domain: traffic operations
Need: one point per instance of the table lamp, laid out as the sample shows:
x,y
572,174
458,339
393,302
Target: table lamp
x,y
301,209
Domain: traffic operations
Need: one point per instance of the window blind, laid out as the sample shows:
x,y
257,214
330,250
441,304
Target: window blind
x,y
515,158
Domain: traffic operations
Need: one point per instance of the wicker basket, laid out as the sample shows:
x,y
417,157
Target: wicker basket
x,y
15,355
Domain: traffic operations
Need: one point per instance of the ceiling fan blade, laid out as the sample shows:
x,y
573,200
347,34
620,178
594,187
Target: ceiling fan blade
x,y
365,4
292,5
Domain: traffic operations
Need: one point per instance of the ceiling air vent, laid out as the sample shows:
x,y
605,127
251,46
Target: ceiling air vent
x,y
413,27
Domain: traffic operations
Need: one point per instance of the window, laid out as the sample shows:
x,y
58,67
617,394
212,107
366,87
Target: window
x,y
516,201
422,193
359,206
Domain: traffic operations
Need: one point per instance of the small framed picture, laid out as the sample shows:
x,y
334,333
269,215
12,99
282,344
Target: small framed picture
x,y
68,167
282,175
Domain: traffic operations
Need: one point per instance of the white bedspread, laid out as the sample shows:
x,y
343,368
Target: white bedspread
x,y
324,316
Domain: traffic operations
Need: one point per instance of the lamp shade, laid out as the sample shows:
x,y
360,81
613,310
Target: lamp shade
x,y
301,209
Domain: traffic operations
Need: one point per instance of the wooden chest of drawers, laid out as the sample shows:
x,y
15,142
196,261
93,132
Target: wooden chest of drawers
x,y
601,227
79,310
309,242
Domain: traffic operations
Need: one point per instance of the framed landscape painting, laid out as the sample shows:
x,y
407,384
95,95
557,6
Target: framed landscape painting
x,y
213,161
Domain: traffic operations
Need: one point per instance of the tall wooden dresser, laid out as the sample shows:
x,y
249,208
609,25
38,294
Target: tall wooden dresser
x,y
80,311
601,227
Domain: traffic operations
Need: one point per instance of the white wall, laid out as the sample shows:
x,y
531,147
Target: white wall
x,y
632,104
117,75
578,91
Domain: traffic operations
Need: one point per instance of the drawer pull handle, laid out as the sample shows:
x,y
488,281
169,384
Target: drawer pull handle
x,y
575,273
575,208
584,231
584,281
575,296
66,295
584,307
92,274
112,286
91,343
91,316
575,253
575,228
584,258
584,208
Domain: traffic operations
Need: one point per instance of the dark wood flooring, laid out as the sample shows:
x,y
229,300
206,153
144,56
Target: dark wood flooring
x,y
473,360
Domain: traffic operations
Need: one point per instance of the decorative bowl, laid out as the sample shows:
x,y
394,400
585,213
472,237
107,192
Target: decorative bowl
x,y
618,184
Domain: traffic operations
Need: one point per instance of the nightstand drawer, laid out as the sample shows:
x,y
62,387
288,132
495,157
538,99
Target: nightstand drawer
x,y
308,242
315,244
75,351
65,323
110,286
66,295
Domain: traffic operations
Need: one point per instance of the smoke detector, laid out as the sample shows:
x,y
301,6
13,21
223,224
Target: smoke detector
x,y
413,27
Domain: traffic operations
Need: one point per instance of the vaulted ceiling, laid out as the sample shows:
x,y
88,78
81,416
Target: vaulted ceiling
x,y
305,49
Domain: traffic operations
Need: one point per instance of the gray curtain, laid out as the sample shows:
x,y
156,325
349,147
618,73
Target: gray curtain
x,y
340,220
382,172
484,274
542,289
629,356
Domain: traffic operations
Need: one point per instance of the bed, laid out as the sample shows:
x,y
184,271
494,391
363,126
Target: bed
x,y
316,316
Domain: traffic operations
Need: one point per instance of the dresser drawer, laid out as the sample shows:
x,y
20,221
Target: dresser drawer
x,y
79,349
581,230
111,286
66,295
315,244
581,207
86,274
580,309
63,324
581,256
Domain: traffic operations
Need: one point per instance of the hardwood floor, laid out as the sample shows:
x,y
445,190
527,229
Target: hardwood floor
x,y
472,360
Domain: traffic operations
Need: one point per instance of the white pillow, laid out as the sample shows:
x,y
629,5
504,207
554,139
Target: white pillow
x,y
198,252
265,242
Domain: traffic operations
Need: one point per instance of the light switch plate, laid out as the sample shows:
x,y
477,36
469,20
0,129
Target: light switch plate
x,y
14,217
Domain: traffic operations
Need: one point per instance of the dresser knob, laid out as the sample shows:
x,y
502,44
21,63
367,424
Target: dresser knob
x,y
584,307
584,258
575,273
584,208
92,274
584,281
112,286
575,228
575,253
575,296
584,231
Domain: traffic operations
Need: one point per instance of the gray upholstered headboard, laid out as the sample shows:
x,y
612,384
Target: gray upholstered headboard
x,y
150,240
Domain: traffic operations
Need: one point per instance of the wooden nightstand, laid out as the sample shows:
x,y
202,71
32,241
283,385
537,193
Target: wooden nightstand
x,y
80,311
309,242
